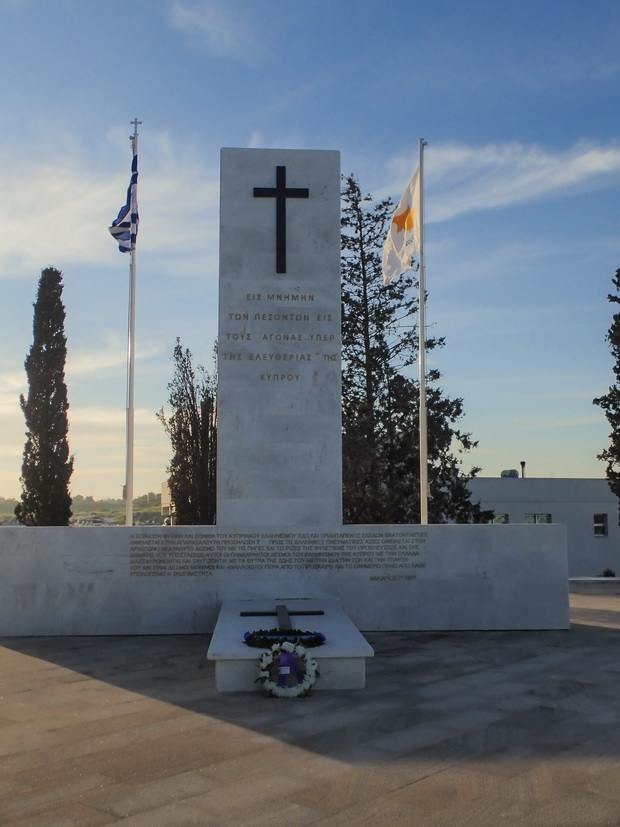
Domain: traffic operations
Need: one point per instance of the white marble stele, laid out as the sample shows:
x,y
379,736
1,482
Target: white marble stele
x,y
279,403
341,659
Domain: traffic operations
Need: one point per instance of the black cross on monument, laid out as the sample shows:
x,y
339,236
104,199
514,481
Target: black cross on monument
x,y
280,192
283,614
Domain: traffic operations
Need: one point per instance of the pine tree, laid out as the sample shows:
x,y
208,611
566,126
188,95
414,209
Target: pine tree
x,y
380,397
610,402
47,466
192,429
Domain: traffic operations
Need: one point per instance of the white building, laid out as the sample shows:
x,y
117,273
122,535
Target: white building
x,y
167,506
586,507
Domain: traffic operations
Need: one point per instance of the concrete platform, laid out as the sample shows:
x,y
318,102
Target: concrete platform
x,y
342,657
501,729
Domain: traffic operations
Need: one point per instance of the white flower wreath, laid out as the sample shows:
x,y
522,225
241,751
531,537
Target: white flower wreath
x,y
294,669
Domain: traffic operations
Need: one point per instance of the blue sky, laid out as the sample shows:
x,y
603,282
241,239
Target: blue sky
x,y
519,104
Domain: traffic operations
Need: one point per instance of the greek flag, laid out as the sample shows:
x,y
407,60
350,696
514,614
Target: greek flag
x,y
124,228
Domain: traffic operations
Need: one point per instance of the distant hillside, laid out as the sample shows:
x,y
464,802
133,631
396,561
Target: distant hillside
x,y
7,507
146,508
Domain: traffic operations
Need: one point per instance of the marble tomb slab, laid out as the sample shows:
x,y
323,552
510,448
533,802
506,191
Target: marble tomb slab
x,y
341,659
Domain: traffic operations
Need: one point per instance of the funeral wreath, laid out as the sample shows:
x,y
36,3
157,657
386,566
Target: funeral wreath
x,y
287,670
265,638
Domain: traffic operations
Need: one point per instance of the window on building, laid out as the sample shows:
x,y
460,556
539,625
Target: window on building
x,y
538,519
500,519
600,525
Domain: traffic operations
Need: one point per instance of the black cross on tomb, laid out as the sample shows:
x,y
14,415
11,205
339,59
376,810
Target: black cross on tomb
x,y
283,614
281,192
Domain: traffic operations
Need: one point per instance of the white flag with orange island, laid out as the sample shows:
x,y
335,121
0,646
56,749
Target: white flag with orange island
x,y
404,235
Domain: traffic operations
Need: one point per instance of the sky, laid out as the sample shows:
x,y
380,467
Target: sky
x,y
519,103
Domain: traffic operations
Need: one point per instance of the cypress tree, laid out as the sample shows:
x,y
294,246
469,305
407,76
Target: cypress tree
x,y
47,465
192,430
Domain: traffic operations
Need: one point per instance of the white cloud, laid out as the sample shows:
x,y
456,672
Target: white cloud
x,y
54,213
97,415
12,382
60,208
61,205
87,362
256,140
112,356
223,30
291,139
463,179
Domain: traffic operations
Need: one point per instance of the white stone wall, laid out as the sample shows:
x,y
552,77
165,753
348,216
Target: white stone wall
x,y
160,580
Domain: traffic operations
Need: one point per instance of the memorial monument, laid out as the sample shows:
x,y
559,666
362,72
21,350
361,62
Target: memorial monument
x,y
279,537
279,423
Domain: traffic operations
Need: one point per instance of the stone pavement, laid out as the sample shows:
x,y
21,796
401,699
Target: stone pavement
x,y
462,728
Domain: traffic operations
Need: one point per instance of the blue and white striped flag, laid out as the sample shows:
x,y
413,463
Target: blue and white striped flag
x,y
125,226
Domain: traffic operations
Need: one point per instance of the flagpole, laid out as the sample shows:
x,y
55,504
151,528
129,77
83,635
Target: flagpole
x,y
422,352
131,323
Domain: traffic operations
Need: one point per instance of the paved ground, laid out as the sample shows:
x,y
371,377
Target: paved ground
x,y
496,728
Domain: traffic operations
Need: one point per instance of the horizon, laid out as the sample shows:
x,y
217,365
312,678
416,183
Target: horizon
x,y
158,494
